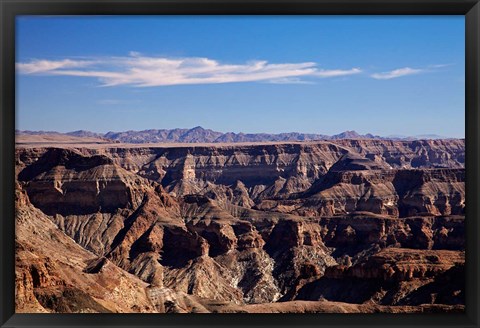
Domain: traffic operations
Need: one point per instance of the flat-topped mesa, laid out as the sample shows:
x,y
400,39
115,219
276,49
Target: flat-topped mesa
x,y
411,277
414,153
400,154
313,178
244,224
65,182
251,164
399,193
263,164
399,264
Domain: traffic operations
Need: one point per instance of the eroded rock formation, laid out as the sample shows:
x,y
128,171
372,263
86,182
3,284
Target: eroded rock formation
x,y
257,228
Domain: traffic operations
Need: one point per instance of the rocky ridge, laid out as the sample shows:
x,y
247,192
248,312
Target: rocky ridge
x,y
202,229
201,135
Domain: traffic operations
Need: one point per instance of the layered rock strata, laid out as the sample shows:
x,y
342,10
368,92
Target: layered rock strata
x,y
201,229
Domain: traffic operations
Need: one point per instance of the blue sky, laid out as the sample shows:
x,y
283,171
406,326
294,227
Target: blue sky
x,y
317,74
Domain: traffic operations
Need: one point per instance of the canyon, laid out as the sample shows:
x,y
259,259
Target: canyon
x,y
344,226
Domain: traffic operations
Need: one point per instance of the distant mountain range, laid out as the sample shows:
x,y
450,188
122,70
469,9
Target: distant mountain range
x,y
201,135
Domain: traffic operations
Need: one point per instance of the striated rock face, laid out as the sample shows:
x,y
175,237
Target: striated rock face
x,y
52,272
394,276
250,228
65,182
399,178
397,264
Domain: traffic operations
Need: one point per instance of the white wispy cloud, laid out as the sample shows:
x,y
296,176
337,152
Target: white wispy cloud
x,y
337,72
406,71
441,65
143,71
397,73
45,66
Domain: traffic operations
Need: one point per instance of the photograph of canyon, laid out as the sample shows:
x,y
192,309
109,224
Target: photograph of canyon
x,y
267,164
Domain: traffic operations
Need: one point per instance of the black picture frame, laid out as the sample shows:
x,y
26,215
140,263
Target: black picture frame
x,y
9,9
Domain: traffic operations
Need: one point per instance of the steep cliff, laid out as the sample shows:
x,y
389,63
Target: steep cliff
x,y
204,228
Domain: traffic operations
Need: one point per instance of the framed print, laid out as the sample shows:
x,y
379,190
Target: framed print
x,y
250,164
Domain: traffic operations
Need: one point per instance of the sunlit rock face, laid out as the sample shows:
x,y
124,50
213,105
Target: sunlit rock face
x,y
340,226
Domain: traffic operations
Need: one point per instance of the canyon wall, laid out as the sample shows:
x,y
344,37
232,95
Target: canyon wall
x,y
230,228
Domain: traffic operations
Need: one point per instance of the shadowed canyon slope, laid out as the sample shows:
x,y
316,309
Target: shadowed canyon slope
x,y
328,226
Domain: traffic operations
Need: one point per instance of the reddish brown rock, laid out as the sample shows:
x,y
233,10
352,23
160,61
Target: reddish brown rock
x,y
362,225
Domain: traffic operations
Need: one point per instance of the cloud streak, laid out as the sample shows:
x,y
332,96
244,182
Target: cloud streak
x,y
396,73
45,66
141,71
337,72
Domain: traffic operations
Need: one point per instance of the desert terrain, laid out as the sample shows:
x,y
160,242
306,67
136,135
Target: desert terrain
x,y
347,225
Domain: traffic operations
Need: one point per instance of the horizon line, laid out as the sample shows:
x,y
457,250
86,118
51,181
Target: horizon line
x,y
393,135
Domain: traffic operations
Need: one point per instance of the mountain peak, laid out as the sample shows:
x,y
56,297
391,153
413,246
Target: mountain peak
x,y
198,134
349,134
197,128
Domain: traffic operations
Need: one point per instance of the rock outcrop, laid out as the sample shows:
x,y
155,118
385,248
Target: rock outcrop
x,y
201,135
359,225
